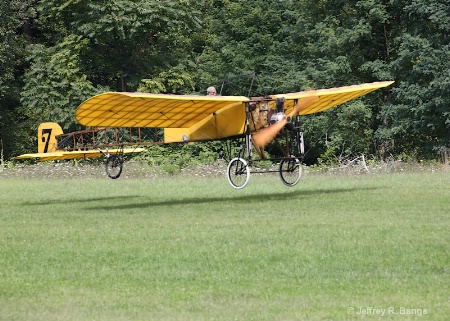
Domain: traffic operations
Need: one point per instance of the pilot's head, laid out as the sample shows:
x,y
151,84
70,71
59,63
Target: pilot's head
x,y
211,91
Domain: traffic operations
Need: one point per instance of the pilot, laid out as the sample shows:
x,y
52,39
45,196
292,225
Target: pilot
x,y
211,91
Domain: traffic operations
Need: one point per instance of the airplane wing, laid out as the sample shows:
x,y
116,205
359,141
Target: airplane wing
x,y
329,97
39,155
61,155
124,109
195,118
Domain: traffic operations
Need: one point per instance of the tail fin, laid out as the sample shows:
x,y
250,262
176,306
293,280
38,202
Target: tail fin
x,y
47,133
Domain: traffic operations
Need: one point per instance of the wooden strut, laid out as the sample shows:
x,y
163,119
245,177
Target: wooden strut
x,y
104,137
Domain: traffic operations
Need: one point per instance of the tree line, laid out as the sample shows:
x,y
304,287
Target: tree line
x,y
54,54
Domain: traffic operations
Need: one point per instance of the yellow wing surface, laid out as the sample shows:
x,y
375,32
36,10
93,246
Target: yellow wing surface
x,y
120,109
61,155
331,97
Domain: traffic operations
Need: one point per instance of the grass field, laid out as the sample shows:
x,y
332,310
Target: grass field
x,y
335,247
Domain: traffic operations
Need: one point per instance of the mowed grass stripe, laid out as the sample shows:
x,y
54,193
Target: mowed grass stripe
x,y
195,249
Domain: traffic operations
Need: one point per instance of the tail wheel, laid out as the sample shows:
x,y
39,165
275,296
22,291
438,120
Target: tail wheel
x,y
238,173
290,171
114,165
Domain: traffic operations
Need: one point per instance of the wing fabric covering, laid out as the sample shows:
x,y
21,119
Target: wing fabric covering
x,y
61,155
329,98
120,109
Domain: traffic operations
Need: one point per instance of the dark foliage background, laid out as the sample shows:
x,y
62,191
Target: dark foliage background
x,y
56,53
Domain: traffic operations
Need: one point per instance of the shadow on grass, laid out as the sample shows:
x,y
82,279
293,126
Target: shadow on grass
x,y
80,200
244,199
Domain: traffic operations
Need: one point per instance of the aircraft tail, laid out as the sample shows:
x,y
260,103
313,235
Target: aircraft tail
x,y
47,133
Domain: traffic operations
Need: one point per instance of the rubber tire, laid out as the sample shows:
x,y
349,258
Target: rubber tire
x,y
113,166
238,173
290,171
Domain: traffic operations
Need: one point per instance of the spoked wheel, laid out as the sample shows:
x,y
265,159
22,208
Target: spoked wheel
x,y
238,173
290,171
114,166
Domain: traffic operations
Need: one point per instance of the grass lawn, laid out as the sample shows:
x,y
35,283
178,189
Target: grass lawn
x,y
334,247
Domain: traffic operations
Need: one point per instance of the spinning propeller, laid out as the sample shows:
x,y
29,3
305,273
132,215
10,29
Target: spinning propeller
x,y
266,135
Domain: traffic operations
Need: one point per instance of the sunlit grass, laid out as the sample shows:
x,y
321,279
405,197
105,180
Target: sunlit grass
x,y
179,248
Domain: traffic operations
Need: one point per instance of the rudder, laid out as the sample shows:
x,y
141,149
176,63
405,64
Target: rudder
x,y
47,133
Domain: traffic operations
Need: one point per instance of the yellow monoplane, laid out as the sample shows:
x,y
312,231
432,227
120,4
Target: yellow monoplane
x,y
254,121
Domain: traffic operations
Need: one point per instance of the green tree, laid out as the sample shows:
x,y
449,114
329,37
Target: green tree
x,y
55,85
250,37
418,118
127,40
14,16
